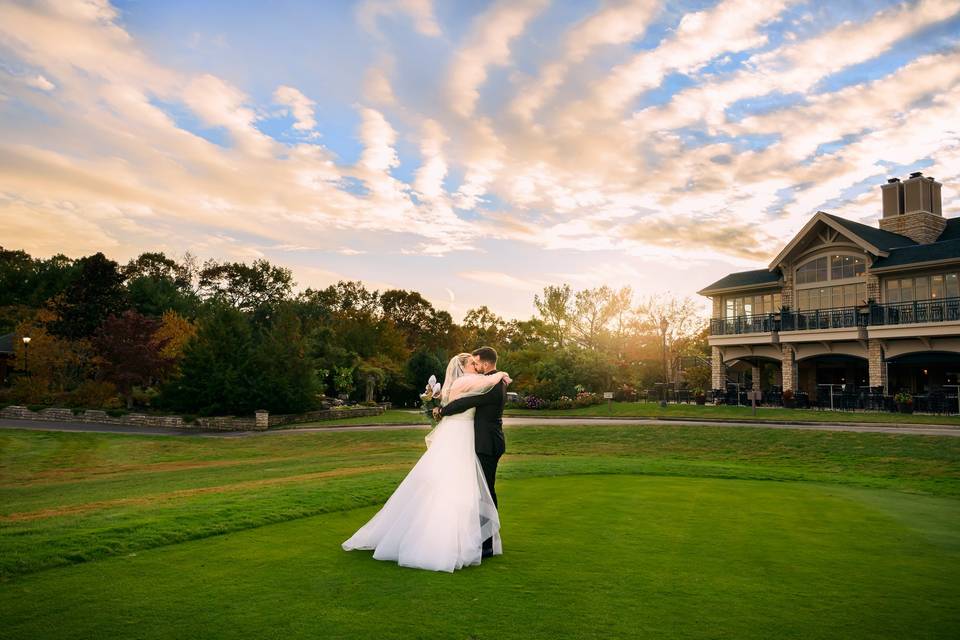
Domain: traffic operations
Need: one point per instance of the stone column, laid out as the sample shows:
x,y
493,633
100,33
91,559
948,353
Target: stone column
x,y
718,376
790,371
878,364
756,377
261,420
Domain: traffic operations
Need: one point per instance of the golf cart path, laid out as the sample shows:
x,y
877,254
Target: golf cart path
x,y
914,429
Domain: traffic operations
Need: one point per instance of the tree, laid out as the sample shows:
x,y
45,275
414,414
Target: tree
x,y
131,352
592,312
555,311
216,375
94,293
283,378
29,282
409,311
156,283
672,320
56,364
173,334
244,286
482,327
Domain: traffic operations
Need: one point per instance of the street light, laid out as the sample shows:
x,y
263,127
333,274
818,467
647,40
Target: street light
x,y
26,354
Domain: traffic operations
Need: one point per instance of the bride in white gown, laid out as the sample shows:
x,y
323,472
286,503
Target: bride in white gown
x,y
441,513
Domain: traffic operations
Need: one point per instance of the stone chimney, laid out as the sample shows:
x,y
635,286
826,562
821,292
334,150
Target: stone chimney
x,y
912,208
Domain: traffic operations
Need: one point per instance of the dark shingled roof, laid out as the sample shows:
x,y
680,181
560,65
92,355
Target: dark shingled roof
x,y
6,343
746,279
951,231
883,240
939,250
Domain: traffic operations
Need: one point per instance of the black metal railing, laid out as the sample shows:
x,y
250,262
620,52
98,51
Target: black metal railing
x,y
745,324
937,310
837,318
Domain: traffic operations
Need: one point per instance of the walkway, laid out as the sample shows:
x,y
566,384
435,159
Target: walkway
x,y
927,430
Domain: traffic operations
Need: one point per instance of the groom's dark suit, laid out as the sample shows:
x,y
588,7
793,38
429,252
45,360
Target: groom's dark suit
x,y
488,437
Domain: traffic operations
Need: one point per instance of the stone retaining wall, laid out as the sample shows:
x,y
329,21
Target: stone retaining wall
x,y
214,423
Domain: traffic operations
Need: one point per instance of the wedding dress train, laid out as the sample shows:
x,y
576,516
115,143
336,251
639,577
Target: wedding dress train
x,y
441,513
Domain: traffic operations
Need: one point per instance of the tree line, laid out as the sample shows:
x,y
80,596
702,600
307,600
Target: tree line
x,y
215,337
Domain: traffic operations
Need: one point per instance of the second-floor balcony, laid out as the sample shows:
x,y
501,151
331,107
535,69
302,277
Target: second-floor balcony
x,y
892,314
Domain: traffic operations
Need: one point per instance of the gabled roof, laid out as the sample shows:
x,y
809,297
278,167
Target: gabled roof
x,y
874,241
6,343
744,280
879,238
936,252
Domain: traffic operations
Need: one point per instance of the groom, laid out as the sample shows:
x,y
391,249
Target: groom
x,y
487,424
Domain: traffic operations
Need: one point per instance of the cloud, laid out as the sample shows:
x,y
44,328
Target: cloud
x,y
488,44
39,82
502,280
301,107
420,11
615,23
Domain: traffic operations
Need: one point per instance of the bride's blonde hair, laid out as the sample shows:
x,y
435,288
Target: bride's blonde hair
x,y
455,369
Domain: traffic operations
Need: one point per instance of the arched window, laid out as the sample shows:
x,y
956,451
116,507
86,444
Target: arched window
x,y
835,280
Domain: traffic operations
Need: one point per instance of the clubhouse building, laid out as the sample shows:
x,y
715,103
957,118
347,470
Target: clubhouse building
x,y
849,306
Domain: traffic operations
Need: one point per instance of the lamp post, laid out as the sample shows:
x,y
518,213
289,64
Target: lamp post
x,y
26,354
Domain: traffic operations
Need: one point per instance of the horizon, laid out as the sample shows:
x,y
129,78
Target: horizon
x,y
637,143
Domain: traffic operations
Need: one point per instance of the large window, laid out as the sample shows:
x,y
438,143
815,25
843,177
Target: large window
x,y
842,269
835,267
932,287
813,271
842,295
846,267
751,305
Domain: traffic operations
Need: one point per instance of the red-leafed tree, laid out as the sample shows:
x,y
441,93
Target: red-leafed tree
x,y
132,354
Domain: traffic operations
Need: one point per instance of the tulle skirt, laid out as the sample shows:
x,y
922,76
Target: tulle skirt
x,y
441,513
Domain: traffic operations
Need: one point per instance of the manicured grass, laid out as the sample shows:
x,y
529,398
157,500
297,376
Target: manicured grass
x,y
390,416
706,412
664,532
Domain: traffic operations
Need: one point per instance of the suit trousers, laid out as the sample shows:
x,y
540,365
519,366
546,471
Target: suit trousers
x,y
489,465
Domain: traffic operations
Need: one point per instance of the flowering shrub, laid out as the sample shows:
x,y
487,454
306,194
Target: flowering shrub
x,y
583,399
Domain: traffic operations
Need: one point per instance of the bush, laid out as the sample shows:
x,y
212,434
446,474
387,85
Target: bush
x,y
116,413
36,407
583,399
29,390
92,393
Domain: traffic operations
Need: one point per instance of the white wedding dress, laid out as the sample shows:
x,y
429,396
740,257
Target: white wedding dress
x,y
441,513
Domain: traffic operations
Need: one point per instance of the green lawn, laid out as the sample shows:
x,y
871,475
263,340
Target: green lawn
x,y
654,410
390,416
664,532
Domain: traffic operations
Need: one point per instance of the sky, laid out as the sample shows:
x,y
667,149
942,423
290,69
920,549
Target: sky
x,y
472,151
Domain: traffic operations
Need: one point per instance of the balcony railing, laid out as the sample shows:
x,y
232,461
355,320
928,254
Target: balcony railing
x,y
939,310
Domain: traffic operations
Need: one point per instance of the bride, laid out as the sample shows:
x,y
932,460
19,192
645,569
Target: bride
x,y
442,512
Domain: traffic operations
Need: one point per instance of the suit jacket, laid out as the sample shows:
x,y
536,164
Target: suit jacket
x,y
488,421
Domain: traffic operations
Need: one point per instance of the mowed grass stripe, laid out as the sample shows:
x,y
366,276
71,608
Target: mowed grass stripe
x,y
73,510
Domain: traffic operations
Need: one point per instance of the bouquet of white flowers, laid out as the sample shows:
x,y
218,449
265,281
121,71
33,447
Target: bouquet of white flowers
x,y
431,397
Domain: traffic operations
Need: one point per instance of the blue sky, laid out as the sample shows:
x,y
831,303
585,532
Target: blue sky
x,y
474,151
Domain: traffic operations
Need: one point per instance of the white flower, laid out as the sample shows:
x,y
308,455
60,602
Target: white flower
x,y
432,382
436,388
